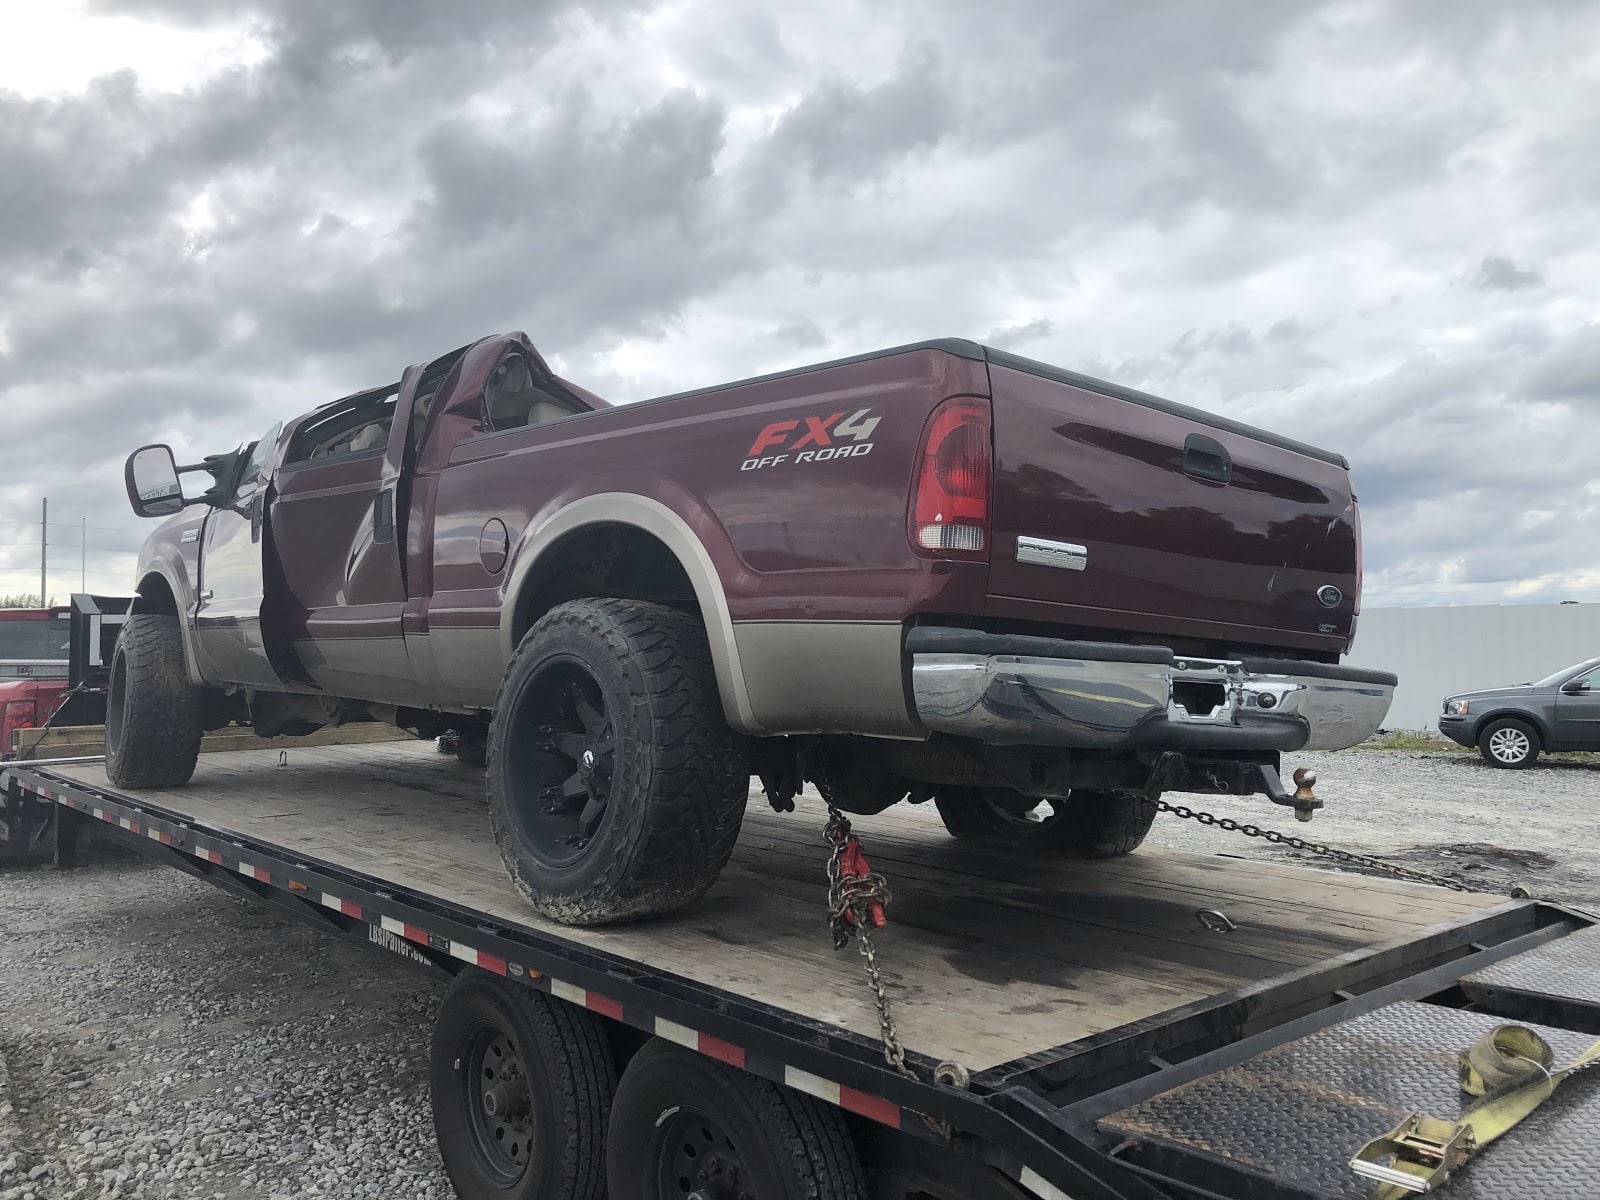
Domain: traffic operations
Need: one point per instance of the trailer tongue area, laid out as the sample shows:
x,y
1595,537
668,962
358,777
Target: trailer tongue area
x,y
1117,1040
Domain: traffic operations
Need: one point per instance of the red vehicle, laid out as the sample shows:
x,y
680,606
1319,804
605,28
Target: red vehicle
x,y
939,572
33,668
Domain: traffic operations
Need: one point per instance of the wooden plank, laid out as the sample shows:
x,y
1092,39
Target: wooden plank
x,y
988,959
76,741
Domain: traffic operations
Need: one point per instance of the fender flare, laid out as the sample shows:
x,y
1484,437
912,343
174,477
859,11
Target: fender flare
x,y
1516,714
662,523
184,602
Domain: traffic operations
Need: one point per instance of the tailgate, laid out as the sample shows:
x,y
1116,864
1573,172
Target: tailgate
x,y
1190,525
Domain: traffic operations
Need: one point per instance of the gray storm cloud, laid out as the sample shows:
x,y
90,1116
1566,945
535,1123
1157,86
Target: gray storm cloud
x,y
1369,226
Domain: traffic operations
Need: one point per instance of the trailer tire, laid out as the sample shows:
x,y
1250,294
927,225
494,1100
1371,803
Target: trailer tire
x,y
1082,825
154,716
616,788
684,1123
561,1085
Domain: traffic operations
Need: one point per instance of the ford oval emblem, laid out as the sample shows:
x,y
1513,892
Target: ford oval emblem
x,y
1329,595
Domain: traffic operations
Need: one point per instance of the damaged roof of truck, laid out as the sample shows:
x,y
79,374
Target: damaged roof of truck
x,y
960,347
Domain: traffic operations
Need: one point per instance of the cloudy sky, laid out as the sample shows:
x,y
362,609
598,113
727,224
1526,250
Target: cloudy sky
x,y
1370,226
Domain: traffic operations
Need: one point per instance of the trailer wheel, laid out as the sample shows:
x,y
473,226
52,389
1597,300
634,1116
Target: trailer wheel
x,y
1083,824
522,1088
686,1126
616,788
154,715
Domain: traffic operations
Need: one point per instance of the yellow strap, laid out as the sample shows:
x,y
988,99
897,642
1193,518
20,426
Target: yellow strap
x,y
1513,1068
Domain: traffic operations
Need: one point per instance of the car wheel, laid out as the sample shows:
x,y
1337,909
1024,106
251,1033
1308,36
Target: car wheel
x,y
1082,824
616,788
1509,743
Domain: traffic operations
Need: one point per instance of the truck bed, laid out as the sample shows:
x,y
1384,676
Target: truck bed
x,y
989,960
1116,1048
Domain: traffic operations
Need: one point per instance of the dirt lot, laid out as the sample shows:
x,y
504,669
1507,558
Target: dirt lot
x,y
162,1039
1442,812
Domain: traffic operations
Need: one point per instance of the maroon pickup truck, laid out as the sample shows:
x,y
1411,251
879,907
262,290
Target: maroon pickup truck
x,y
938,572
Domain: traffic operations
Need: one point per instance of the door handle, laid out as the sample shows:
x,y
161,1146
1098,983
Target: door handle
x,y
205,595
383,516
1206,458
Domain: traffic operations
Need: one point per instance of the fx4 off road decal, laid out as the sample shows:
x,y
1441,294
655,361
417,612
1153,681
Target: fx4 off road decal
x,y
813,440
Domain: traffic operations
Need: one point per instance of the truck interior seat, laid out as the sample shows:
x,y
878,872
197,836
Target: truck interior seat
x,y
512,400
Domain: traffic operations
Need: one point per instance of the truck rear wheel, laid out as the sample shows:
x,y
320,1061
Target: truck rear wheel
x,y
1083,824
154,715
685,1125
521,1088
616,788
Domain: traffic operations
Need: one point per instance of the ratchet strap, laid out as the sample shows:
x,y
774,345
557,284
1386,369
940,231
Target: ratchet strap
x,y
1512,1068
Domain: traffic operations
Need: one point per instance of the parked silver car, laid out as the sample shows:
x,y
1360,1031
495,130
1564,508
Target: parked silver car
x,y
1511,725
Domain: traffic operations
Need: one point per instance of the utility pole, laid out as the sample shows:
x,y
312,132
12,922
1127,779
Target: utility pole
x,y
44,542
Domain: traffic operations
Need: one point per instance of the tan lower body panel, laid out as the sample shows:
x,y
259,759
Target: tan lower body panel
x,y
988,958
826,677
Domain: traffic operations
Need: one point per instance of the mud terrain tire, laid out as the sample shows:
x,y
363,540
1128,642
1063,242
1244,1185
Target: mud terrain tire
x,y
1083,824
154,715
616,787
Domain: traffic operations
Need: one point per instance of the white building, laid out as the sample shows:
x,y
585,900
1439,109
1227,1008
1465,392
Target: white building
x,y
1436,651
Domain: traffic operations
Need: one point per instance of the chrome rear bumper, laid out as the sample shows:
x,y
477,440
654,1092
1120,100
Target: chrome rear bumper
x,y
1023,691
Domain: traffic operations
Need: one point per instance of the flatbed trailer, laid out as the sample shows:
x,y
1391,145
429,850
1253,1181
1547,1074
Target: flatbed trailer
x,y
1164,1025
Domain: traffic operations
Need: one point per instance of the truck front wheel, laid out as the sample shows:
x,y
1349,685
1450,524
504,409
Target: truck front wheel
x,y
154,715
1082,824
616,788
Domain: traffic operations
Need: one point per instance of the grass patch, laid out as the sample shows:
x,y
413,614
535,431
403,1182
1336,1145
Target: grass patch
x,y
1413,739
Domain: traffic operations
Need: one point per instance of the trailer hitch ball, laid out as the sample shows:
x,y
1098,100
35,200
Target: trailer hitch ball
x,y
1305,799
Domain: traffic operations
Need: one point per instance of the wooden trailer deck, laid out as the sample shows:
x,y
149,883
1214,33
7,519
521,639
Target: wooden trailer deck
x,y
989,960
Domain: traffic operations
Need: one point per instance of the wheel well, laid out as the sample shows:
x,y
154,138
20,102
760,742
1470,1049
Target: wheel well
x,y
154,596
606,559
1513,714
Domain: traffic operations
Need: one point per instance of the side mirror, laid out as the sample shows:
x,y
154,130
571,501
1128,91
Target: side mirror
x,y
1576,688
151,477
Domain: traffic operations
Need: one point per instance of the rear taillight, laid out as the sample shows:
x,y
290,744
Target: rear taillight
x,y
1355,524
14,715
1355,615
950,489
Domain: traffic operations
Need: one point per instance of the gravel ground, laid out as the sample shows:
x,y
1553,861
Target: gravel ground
x,y
1447,813
163,1039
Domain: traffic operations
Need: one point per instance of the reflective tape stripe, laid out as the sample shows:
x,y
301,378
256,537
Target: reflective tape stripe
x,y
1040,1186
811,1085
348,907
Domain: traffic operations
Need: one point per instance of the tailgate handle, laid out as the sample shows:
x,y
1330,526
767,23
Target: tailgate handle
x,y
1206,458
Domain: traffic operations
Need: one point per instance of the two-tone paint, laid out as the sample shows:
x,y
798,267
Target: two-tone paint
x,y
403,573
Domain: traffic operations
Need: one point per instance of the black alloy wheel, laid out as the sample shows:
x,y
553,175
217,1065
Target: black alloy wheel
x,y
563,774
615,785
